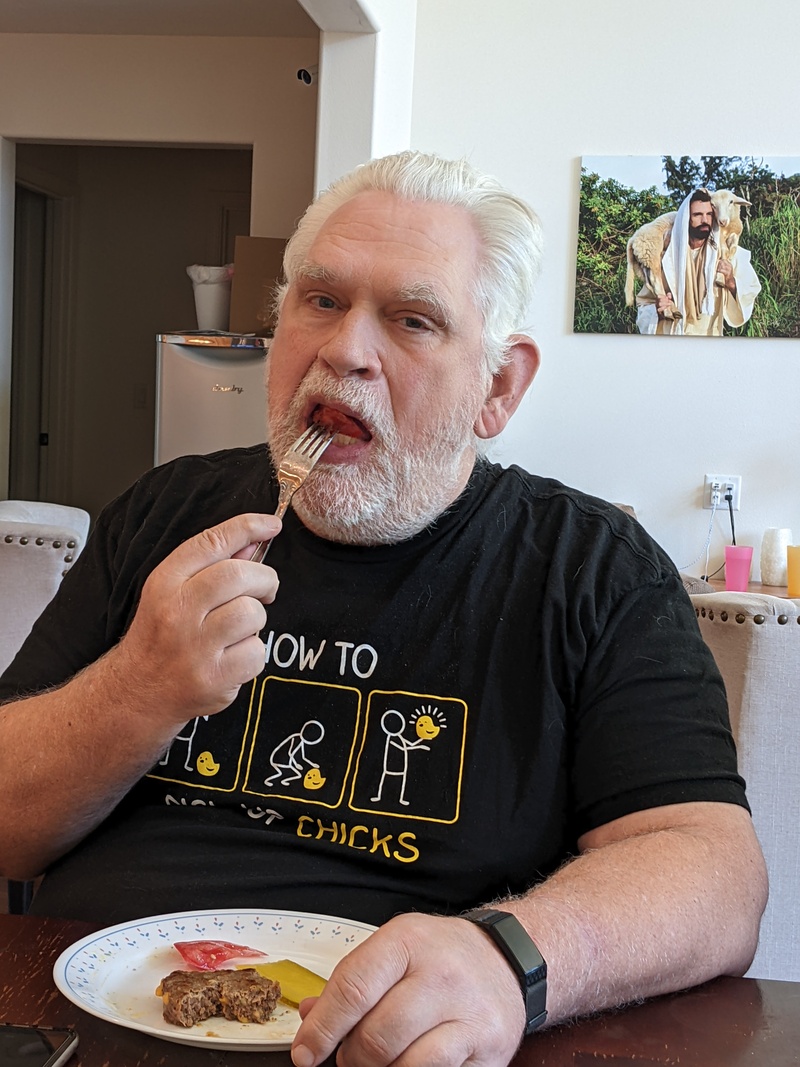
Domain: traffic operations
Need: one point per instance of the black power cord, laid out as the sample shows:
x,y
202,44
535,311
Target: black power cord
x,y
729,498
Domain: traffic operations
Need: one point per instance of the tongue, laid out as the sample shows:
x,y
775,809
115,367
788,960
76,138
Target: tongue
x,y
338,422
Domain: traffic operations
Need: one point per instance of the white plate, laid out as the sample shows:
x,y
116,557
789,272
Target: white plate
x,y
113,974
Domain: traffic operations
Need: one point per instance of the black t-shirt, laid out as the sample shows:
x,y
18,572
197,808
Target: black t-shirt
x,y
437,722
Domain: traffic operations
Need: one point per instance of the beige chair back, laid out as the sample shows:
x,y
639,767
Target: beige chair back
x,y
755,640
39,542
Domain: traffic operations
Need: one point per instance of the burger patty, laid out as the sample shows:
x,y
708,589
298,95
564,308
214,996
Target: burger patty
x,y
242,996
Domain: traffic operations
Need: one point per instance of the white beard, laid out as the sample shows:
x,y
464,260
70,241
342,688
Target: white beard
x,y
401,489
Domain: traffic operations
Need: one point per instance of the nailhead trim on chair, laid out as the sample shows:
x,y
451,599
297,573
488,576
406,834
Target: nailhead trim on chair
x,y
723,615
9,540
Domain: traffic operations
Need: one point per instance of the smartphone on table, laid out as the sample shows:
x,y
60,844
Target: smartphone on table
x,y
35,1046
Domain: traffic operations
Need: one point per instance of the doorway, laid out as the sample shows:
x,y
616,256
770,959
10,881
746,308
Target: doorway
x,y
42,219
105,236
28,427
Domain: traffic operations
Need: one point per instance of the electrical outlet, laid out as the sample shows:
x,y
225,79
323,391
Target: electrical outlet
x,y
722,483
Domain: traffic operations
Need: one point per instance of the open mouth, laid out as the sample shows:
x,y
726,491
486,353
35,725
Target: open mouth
x,y
346,427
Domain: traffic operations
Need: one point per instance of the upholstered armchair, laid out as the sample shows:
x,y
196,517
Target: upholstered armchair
x,y
39,542
755,639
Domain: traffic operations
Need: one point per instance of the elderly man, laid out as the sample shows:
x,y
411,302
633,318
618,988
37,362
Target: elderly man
x,y
501,693
691,266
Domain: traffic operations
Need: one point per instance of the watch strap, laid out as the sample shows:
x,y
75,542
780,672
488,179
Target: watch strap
x,y
525,959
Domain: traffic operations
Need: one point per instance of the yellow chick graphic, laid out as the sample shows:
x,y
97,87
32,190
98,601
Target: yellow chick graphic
x,y
426,728
313,779
206,765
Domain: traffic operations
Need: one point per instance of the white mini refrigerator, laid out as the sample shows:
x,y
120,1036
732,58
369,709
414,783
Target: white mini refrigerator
x,y
210,393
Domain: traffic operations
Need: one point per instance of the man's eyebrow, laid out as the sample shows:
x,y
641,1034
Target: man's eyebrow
x,y
423,293
315,272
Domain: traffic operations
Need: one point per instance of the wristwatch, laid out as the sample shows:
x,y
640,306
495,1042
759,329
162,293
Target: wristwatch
x,y
526,960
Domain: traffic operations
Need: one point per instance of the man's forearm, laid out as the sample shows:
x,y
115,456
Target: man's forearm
x,y
67,756
649,913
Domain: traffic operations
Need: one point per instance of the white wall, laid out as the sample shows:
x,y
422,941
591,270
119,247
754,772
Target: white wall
x,y
524,88
180,91
175,90
7,167
365,85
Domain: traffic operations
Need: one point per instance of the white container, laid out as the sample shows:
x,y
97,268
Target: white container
x,y
212,295
773,555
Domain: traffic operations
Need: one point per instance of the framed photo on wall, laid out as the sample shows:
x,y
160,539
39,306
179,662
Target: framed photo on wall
x,y
689,246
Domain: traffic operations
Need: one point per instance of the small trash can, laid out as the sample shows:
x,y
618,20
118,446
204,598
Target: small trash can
x,y
212,295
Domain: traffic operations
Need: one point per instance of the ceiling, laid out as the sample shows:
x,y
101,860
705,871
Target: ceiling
x,y
159,18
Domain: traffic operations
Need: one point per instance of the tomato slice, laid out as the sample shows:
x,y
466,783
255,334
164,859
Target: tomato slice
x,y
212,955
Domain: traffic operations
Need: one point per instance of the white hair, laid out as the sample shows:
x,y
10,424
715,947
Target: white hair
x,y
509,230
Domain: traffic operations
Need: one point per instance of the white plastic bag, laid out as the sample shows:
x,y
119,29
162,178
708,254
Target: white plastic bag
x,y
212,295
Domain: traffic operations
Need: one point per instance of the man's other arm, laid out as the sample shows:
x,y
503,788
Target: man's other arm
x,y
657,901
69,755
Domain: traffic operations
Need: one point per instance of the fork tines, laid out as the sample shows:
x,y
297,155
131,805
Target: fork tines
x,y
313,441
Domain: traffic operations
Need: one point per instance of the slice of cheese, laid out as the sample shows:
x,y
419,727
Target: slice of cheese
x,y
296,981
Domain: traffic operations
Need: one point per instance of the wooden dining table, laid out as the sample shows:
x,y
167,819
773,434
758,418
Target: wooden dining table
x,y
724,1023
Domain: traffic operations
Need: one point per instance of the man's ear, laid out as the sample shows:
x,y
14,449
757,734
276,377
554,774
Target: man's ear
x,y
508,387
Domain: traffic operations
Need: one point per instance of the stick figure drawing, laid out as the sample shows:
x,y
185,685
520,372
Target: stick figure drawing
x,y
395,752
186,735
286,755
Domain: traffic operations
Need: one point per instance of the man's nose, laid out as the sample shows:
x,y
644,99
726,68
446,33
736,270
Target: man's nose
x,y
353,349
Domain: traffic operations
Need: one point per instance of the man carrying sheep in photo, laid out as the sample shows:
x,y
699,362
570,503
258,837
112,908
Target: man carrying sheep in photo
x,y
705,280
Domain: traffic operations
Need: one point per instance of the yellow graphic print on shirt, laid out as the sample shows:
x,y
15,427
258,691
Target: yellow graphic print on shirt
x,y
303,741
411,759
319,744
208,752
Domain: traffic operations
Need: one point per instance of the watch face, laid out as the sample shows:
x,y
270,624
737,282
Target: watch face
x,y
523,947
528,964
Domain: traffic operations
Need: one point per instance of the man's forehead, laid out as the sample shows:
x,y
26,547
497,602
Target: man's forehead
x,y
425,252
402,226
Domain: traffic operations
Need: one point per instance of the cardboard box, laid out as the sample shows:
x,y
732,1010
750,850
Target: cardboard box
x,y
257,267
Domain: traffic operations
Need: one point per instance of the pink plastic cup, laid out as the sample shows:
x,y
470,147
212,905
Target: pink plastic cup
x,y
738,559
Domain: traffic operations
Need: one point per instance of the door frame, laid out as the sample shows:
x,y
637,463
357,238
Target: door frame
x,y
58,348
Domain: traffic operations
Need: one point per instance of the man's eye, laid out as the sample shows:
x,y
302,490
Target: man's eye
x,y
325,302
413,323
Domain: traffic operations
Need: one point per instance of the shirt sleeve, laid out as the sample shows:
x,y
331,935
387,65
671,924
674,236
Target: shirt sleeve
x,y
649,675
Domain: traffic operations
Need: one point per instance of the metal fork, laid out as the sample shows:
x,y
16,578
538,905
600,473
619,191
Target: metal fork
x,y
294,468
